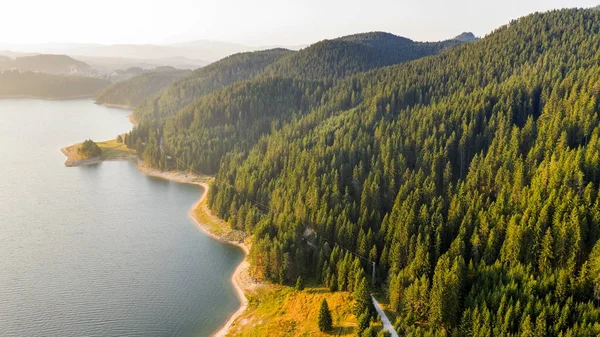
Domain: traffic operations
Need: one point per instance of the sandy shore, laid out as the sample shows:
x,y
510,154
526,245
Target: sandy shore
x,y
241,280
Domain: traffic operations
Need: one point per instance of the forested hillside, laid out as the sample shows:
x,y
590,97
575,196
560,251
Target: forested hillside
x,y
30,84
55,64
351,54
470,177
131,92
217,75
207,125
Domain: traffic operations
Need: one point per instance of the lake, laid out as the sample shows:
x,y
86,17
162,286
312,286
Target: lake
x,y
99,250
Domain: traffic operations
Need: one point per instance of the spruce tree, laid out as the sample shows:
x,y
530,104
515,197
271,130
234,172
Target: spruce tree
x,y
299,284
325,320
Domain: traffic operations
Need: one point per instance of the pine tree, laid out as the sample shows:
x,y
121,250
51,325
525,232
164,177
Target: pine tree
x,y
325,320
546,255
299,284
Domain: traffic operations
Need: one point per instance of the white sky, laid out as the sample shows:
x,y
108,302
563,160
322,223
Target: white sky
x,y
254,22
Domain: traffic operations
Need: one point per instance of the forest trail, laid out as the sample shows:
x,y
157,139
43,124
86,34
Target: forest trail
x,y
387,325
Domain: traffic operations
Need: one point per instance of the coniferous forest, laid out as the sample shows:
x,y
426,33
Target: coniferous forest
x,y
469,174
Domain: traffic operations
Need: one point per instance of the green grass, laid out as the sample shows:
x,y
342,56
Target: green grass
x,y
113,150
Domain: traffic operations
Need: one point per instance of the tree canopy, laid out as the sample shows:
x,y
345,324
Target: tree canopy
x,y
470,177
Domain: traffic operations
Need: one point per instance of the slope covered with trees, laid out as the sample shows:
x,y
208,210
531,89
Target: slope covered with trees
x,y
351,54
30,84
230,119
470,177
234,118
205,80
132,91
48,63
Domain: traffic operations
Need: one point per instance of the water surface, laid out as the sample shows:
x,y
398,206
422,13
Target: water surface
x,y
99,250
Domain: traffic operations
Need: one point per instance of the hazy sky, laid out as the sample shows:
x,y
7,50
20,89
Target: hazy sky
x,y
255,22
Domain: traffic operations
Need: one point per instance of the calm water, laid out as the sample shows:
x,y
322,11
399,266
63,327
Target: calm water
x,y
100,250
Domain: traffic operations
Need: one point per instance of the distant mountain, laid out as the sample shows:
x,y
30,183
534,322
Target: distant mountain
x,y
108,65
466,37
189,55
54,64
43,85
351,54
130,92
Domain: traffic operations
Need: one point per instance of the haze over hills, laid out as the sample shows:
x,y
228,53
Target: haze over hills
x,y
109,64
188,55
329,58
46,85
130,93
54,64
237,67
199,51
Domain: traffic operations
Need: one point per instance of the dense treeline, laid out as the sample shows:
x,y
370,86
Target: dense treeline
x,y
132,91
231,119
352,54
16,83
470,177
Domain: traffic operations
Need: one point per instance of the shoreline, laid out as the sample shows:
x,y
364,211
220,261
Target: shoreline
x,y
122,107
238,274
240,280
117,106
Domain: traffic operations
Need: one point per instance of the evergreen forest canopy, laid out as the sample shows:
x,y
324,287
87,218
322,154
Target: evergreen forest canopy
x,y
470,177
349,55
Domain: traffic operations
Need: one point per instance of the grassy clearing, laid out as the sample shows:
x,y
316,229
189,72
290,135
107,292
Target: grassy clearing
x,y
276,310
113,150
